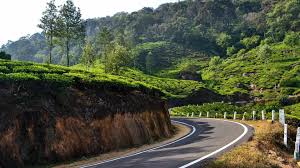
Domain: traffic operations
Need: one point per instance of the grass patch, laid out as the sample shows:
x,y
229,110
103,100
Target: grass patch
x,y
265,150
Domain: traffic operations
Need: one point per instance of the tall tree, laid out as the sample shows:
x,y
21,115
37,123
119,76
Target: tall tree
x,y
71,26
88,55
149,62
117,57
5,56
49,26
104,44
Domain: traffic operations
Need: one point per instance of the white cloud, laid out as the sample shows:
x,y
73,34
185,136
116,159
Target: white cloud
x,y
20,17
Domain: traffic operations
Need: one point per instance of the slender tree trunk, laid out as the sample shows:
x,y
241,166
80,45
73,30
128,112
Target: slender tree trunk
x,y
50,52
68,49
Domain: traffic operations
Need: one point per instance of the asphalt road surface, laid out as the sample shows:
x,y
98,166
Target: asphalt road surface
x,y
207,139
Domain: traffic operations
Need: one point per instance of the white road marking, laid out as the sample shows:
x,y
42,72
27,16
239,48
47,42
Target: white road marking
x,y
219,150
148,150
191,133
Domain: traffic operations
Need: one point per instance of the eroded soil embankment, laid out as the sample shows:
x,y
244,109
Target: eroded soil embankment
x,y
40,124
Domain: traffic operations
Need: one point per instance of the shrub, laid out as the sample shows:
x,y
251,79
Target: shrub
x,y
216,60
292,38
31,69
4,69
5,56
20,77
231,50
250,42
63,80
264,51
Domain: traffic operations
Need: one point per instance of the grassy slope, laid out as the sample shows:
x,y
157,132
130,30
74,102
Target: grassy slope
x,y
282,68
294,110
61,76
64,76
238,72
173,88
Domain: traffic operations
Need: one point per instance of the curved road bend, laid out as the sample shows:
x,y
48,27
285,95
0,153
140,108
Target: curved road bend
x,y
208,138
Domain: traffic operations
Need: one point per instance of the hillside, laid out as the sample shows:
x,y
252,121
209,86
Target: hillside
x,y
205,28
127,70
248,49
265,72
53,113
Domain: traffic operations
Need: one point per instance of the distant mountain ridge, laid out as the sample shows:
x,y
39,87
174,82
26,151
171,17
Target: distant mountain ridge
x,y
192,24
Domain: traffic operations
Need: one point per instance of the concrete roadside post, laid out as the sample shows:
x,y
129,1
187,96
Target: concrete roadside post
x,y
192,115
273,116
263,117
188,115
281,116
244,116
254,115
296,151
216,115
207,114
297,145
200,114
285,135
225,115
234,115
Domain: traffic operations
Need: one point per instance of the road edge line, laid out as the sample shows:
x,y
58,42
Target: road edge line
x,y
246,130
148,150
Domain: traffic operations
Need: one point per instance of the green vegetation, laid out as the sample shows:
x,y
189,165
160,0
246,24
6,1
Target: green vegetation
x,y
293,111
175,88
241,47
221,108
48,22
68,76
5,56
263,72
60,76
64,24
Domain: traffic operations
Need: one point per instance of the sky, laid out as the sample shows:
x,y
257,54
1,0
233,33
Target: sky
x,y
21,17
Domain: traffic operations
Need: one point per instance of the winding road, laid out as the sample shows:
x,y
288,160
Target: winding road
x,y
207,139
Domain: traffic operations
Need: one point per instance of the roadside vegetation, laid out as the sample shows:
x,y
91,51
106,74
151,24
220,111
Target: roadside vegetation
x,y
61,76
67,76
243,50
249,48
264,150
218,109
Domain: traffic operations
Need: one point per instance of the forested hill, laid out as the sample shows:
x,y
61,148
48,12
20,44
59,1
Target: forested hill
x,y
204,28
249,49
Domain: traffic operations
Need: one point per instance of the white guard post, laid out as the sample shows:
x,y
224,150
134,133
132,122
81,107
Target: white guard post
x,y
273,115
297,145
263,117
254,115
281,116
285,134
244,116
